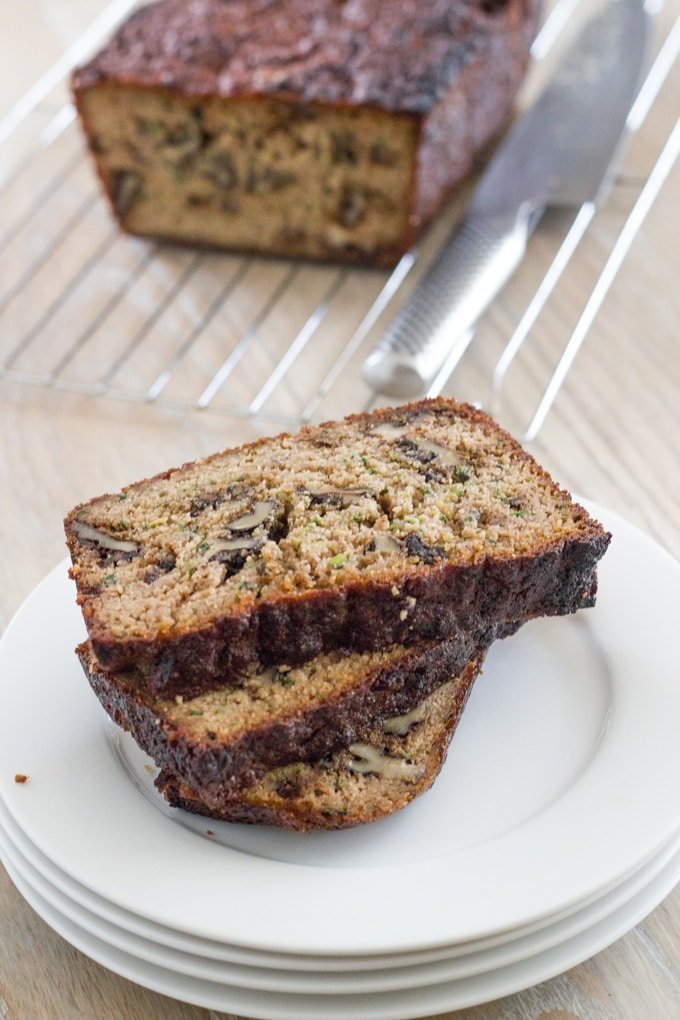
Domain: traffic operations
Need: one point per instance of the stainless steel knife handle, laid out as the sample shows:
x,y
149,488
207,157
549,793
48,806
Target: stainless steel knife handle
x,y
463,279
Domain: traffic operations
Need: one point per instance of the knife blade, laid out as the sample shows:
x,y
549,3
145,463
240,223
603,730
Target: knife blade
x,y
560,153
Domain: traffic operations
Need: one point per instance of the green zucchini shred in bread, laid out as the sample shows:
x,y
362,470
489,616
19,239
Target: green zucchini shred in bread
x,y
402,525
396,761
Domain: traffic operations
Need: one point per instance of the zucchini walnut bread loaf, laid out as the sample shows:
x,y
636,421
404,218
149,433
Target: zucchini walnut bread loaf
x,y
309,128
396,760
403,525
220,742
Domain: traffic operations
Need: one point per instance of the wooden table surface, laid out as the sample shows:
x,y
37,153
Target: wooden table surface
x,y
613,435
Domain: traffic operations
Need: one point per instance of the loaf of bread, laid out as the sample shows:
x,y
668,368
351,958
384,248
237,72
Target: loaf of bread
x,y
223,741
314,128
408,524
395,761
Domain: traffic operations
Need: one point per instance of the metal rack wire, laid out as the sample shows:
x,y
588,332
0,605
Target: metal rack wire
x,y
85,309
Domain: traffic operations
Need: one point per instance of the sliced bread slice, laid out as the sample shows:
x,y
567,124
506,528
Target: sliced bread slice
x,y
396,761
399,526
223,741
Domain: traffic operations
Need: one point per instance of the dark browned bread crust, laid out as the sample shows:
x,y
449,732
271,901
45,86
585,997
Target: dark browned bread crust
x,y
303,811
397,57
452,68
450,598
216,769
450,603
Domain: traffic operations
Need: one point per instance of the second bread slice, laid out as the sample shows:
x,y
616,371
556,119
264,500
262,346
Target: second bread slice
x,y
396,761
223,741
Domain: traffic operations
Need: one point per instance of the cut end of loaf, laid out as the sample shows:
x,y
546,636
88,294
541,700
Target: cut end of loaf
x,y
249,174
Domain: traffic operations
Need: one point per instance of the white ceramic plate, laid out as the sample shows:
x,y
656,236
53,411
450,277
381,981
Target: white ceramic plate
x,y
562,779
307,967
261,978
396,1005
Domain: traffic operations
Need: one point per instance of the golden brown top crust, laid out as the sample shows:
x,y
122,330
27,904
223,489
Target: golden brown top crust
x,y
397,56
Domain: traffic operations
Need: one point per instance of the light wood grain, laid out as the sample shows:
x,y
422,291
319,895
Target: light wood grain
x,y
613,435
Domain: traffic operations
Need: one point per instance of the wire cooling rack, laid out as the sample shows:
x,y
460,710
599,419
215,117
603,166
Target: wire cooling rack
x,y
84,308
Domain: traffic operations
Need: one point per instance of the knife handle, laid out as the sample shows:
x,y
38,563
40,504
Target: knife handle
x,y
463,279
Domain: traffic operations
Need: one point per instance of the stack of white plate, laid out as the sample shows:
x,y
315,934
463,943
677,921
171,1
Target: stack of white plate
x,y
552,830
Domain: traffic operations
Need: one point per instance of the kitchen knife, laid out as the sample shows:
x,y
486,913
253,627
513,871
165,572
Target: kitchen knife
x,y
559,153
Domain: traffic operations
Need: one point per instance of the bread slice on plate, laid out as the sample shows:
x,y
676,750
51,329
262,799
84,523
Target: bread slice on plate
x,y
223,741
396,761
408,524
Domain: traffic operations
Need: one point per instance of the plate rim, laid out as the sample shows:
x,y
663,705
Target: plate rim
x,y
514,951
508,980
